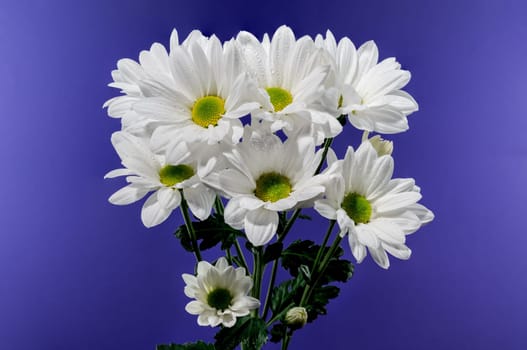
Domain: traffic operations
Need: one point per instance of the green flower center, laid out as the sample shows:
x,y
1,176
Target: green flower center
x,y
169,175
271,187
280,98
208,110
357,207
219,298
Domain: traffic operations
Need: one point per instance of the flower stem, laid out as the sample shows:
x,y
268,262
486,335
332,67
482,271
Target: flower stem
x,y
218,206
257,273
190,227
289,224
323,245
241,255
267,303
327,144
285,341
308,290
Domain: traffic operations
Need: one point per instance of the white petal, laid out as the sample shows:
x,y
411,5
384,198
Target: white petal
x,y
234,214
380,257
128,195
260,226
168,198
325,208
152,213
200,200
194,307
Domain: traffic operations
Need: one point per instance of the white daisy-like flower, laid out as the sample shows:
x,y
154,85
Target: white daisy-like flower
x,y
208,94
290,75
376,211
265,177
129,77
220,292
368,91
181,168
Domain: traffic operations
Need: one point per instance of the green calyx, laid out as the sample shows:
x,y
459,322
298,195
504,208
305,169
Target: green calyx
x,y
271,187
169,175
219,298
357,207
280,98
208,111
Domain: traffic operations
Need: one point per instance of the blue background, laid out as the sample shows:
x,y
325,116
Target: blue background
x,y
76,272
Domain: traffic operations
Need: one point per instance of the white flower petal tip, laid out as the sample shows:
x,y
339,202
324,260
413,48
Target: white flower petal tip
x,y
220,293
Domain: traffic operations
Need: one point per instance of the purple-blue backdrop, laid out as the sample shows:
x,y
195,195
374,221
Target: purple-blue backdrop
x,y
76,272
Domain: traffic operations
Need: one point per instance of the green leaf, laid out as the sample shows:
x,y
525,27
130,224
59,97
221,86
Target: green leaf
x,y
286,293
187,346
251,331
277,332
304,253
255,334
209,233
272,252
318,301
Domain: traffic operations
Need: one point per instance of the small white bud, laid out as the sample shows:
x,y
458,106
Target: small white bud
x,y
296,317
383,147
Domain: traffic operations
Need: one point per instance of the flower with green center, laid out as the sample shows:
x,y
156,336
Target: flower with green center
x,y
267,176
220,292
280,98
219,298
291,80
373,96
357,207
208,110
374,210
200,96
169,175
180,167
271,187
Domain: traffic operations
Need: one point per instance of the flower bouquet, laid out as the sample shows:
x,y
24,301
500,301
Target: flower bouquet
x,y
238,136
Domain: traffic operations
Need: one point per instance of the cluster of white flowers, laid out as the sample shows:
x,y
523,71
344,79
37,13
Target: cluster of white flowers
x,y
244,120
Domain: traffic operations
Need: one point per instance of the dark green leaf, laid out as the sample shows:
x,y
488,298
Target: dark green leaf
x,y
251,331
272,252
304,253
209,233
319,300
277,332
286,293
304,270
187,346
255,334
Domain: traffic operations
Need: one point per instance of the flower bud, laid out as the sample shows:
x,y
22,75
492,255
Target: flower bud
x,y
296,317
383,147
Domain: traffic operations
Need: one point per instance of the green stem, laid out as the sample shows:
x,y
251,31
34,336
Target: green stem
x,y
267,303
308,290
327,144
285,341
289,224
257,273
190,227
323,245
229,255
218,206
241,255
279,315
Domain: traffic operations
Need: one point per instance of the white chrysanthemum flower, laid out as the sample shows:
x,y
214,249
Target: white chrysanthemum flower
x,y
368,91
209,93
375,210
290,75
220,292
266,177
129,77
179,169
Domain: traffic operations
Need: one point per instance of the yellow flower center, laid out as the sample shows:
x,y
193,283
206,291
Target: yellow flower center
x,y
271,187
280,98
357,207
208,111
169,175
